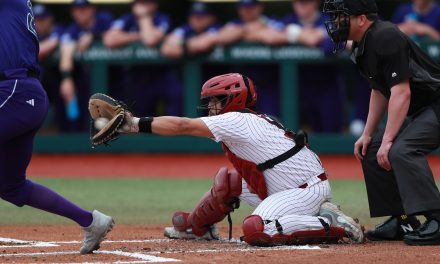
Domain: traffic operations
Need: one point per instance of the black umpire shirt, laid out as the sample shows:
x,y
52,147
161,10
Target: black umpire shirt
x,y
385,57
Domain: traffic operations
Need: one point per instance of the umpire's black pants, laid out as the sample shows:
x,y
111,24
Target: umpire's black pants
x,y
409,188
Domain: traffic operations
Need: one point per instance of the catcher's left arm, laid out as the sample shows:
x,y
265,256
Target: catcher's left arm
x,y
122,121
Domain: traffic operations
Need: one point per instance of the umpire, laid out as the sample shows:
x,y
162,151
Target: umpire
x,y
406,84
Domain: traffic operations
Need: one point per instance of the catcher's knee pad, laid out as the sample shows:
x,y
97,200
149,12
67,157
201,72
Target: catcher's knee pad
x,y
253,230
17,194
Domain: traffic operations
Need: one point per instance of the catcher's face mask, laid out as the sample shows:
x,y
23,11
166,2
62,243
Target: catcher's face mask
x,y
338,25
211,106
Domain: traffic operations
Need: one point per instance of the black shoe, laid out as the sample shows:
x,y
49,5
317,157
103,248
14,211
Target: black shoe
x,y
394,228
428,234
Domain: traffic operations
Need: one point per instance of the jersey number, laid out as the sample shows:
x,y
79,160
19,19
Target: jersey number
x,y
31,19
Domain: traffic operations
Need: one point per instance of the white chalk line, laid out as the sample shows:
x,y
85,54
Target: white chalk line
x,y
24,243
144,257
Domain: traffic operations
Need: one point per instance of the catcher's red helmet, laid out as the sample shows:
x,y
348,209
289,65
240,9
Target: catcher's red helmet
x,y
236,92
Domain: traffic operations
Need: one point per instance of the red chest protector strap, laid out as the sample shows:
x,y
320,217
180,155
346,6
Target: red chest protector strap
x,y
253,173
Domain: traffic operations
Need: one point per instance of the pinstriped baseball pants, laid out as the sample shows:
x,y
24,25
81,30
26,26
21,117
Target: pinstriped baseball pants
x,y
295,209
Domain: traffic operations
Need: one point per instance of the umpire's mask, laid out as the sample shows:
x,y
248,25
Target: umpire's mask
x,y
338,24
339,12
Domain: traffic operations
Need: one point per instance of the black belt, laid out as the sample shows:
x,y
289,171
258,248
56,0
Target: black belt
x,y
30,73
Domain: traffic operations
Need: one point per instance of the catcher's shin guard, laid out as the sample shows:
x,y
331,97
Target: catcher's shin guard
x,y
253,230
214,206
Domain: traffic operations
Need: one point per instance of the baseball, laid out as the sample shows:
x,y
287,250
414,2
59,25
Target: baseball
x,y
100,122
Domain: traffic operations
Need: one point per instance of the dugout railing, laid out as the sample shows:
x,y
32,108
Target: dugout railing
x,y
287,57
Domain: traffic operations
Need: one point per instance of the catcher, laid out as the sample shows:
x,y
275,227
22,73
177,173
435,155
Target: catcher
x,y
275,171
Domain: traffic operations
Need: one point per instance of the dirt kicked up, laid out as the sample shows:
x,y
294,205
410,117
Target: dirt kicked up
x,y
146,244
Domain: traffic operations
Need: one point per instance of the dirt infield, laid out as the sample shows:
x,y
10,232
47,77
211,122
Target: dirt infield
x,y
171,166
145,244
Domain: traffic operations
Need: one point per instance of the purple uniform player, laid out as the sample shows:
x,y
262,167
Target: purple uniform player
x,y
419,19
253,26
23,107
88,25
305,26
147,25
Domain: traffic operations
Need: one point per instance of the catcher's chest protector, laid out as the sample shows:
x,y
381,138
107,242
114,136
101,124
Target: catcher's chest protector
x,y
248,170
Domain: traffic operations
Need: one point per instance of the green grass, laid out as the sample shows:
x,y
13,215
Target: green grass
x,y
153,201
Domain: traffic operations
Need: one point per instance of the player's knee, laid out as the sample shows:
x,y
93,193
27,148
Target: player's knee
x,y
398,154
16,194
253,230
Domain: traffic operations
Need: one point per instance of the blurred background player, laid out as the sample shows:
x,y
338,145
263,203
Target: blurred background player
x,y
199,35
253,26
305,26
419,19
49,34
23,107
88,26
147,25
287,195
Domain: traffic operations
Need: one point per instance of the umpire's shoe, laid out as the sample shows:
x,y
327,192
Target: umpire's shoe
x,y
96,232
428,234
394,228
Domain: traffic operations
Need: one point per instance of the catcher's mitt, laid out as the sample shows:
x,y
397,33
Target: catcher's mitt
x,y
103,106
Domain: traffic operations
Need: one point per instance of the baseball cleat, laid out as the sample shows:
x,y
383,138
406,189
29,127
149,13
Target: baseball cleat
x,y
96,232
394,228
172,233
427,235
337,218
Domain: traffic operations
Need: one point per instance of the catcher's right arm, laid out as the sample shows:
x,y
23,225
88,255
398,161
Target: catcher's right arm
x,y
103,106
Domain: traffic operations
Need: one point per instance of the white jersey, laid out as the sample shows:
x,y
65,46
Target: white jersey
x,y
255,139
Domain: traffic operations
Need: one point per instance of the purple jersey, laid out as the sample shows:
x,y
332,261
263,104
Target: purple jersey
x,y
186,31
128,23
268,21
75,31
406,12
19,42
327,44
56,33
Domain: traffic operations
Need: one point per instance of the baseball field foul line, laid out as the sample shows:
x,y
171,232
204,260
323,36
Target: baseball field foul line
x,y
24,243
145,258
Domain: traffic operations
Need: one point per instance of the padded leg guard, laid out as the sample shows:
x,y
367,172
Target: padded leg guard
x,y
214,205
253,230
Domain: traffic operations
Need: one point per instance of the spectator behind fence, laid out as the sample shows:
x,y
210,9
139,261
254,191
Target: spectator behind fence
x,y
157,84
320,85
253,26
88,25
49,35
419,19
197,36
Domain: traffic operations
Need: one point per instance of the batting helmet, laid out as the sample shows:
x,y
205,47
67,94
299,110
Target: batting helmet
x,y
233,90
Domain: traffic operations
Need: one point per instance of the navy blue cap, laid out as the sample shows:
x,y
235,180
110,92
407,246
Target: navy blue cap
x,y
243,3
41,11
79,3
199,8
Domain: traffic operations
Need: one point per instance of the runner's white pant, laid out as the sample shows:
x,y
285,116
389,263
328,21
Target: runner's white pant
x,y
295,209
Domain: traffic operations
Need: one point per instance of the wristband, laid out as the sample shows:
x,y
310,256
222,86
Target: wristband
x,y
145,124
